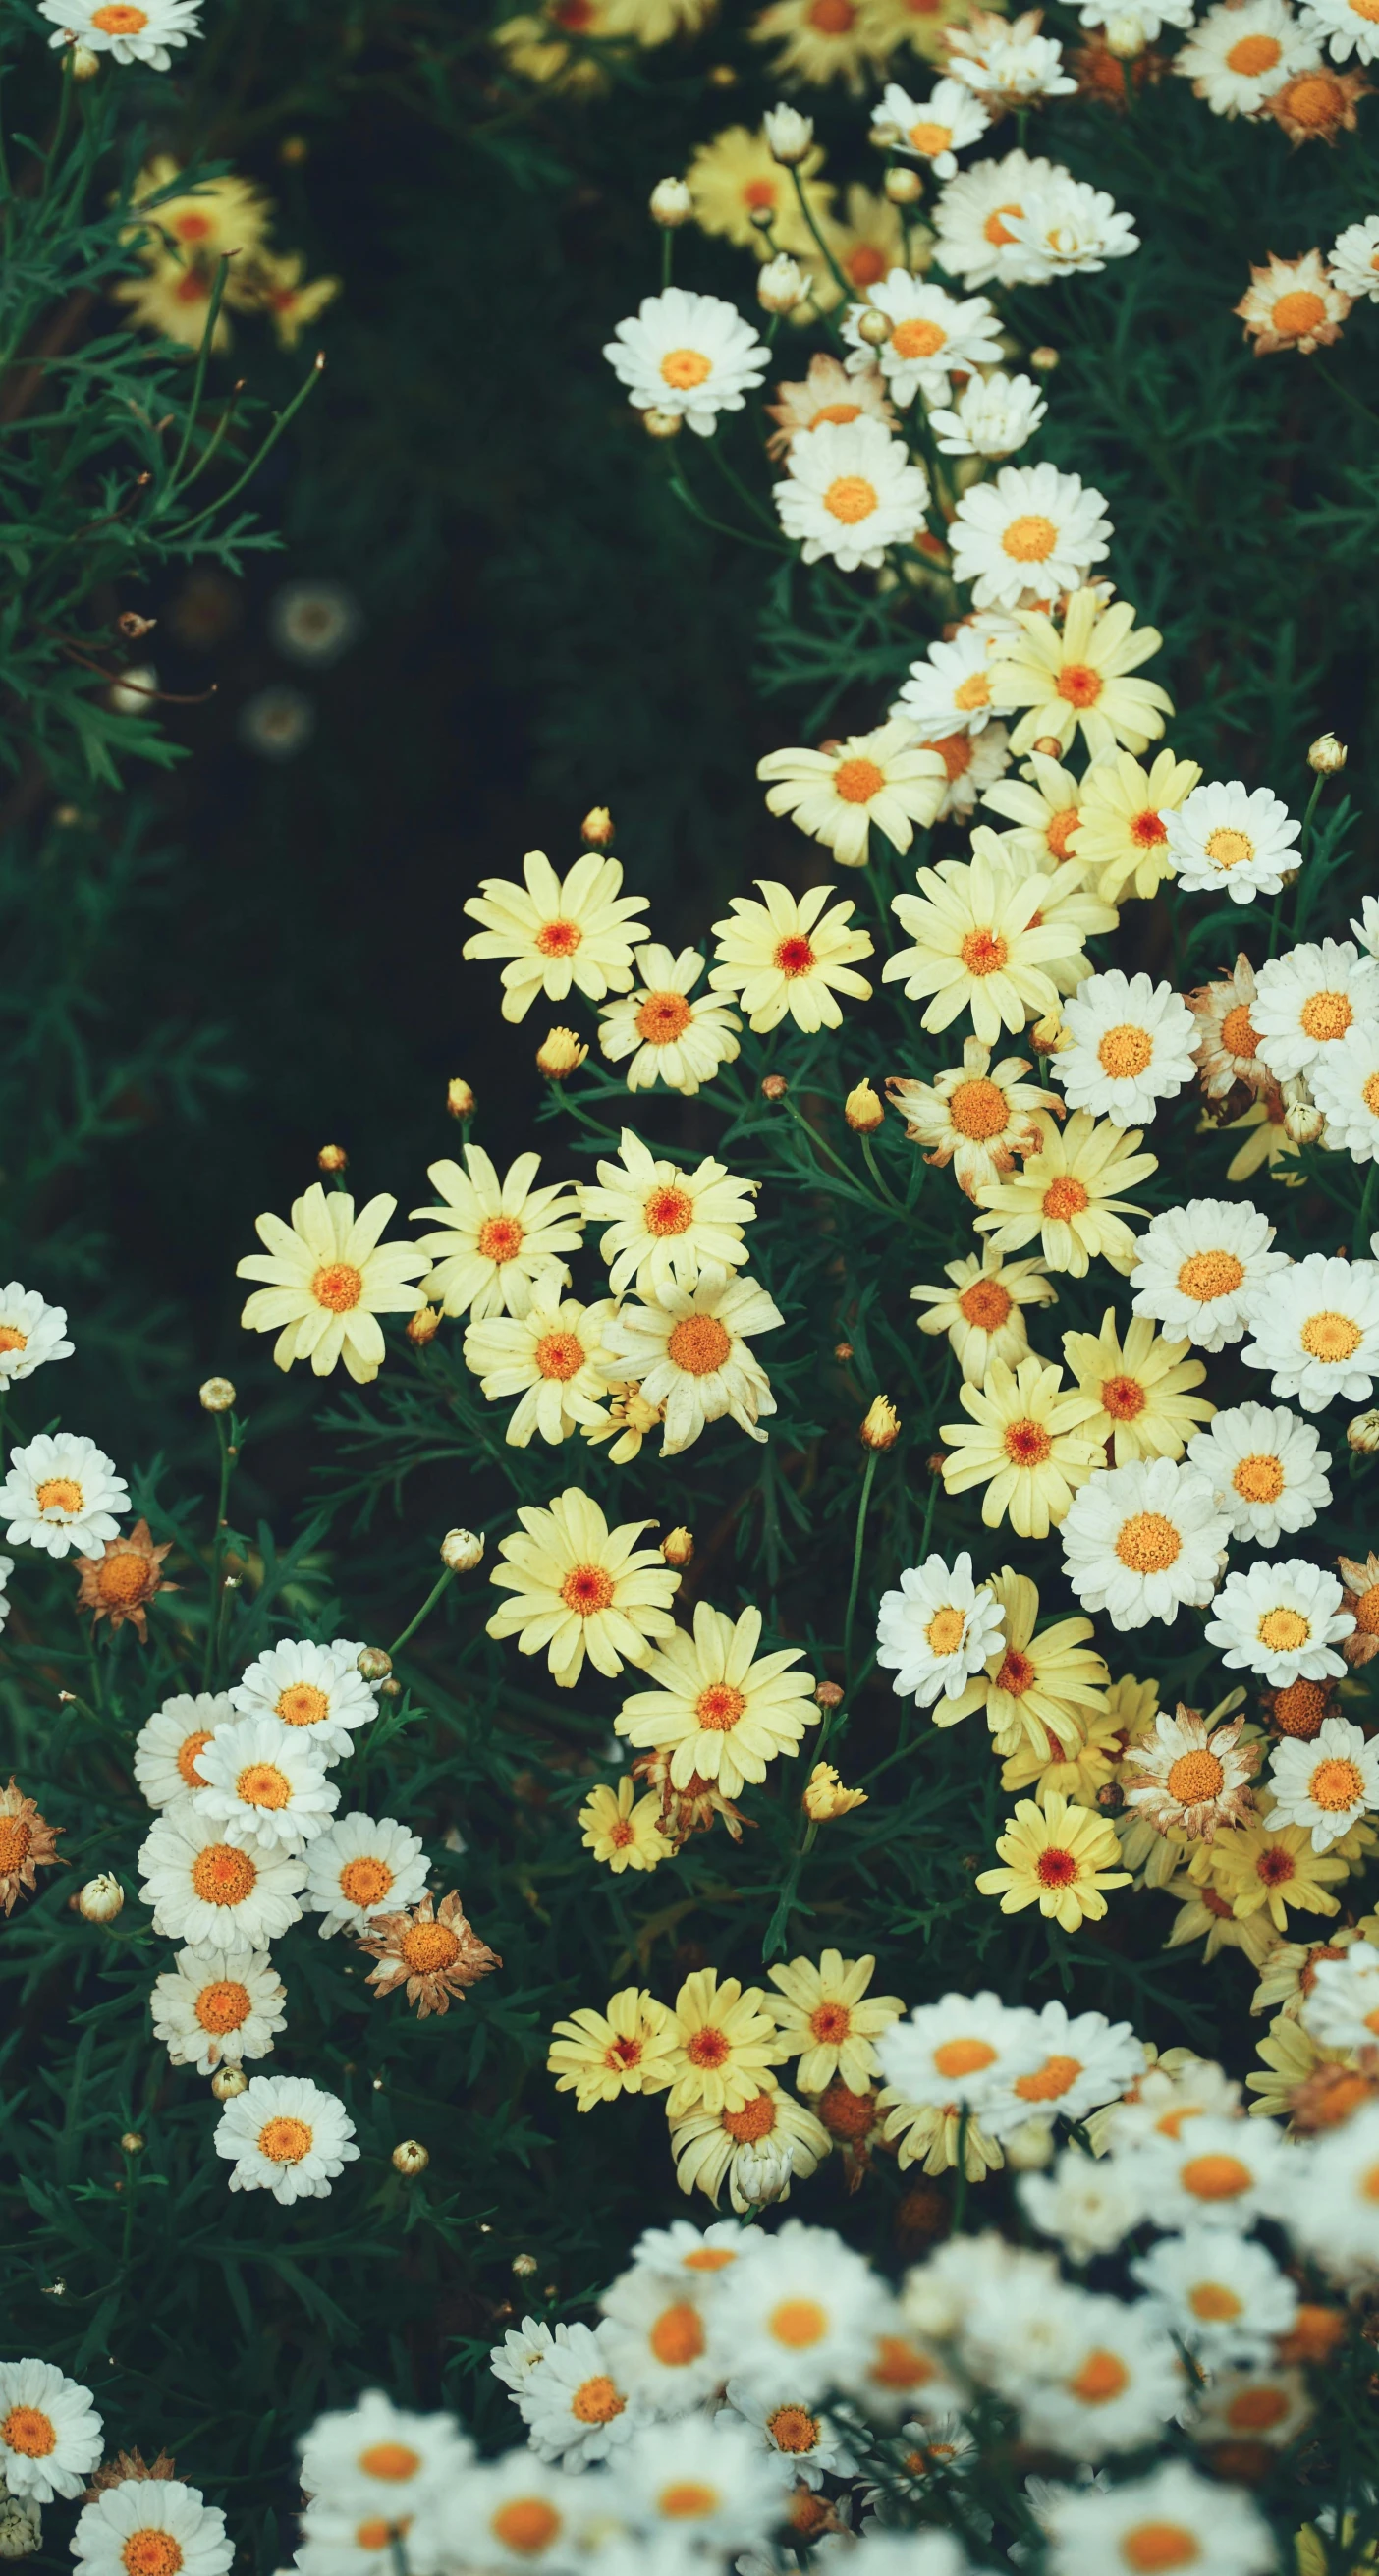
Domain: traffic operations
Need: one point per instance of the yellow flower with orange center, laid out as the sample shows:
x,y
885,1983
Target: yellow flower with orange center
x,y
722,1711
1058,1857
1262,1865
976,1116
1079,676
1141,1387
621,1829
789,954
1025,1442
725,2044
1067,1195
581,1588
982,1312
579,932
628,2048
828,2021
734,178
978,943
1042,1691
1121,836
329,1279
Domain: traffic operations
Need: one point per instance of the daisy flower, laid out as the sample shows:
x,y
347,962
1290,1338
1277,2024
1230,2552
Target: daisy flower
x,y
1025,1442
50,2433
496,1238
790,955
937,130
360,1867
621,1829
1317,105
704,2479
120,1582
1172,2517
217,2007
1293,303
1043,805
1227,837
690,355
265,1785
1354,259
1057,1857
670,1037
1090,2204
687,2254
433,1950
1318,1331
213,1894
1362,1600
1072,229
937,1630
329,1279
1087,2060
1252,2406
1007,61
1342,2009
1223,2295
1307,1001
982,1313
1122,827
1077,1765
932,333
850,491
725,2045
1141,1388
1118,2383
579,932
1227,1046
974,214
1189,1777
581,1588
30,1333
1217,2173
152,2523
948,694
1039,1689
795,2318
828,2021
817,45
629,2048
964,2051
1345,1085
1266,1469
655,2333
866,244
976,943
1200,1270
1326,1785
130,31
1071,906
720,1710
28,1843
1238,54
1031,529
1079,676
735,176
285,2135
1065,1195
836,795
1131,1047
574,2408
1264,1867
828,391
553,1359
1343,26
1139,1541
993,416
665,1223
808,2442
517,2512
316,1689
62,1492
757,2151
168,1747
689,1354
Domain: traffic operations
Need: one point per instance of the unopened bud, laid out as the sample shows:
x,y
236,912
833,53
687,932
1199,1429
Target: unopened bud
x,y
332,1158
863,1110
560,1054
829,1695
880,1427
671,204
677,1547
874,328
462,1550
1044,359
1030,2147
722,76
423,1326
410,2156
228,2082
101,1899
217,1395
132,2143
85,64
842,1350
788,134
525,2266
1048,1036
596,830
903,185
374,1662
1327,755
459,1099
1363,1433
884,134
825,1797
780,284
662,424
390,1690
774,1086
21,2524
293,150
1304,1122
1125,37
762,218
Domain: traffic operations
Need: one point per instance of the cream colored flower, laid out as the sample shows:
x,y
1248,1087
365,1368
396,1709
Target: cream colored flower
x,y
977,944
496,1238
885,777
726,2043
818,41
1141,1387
982,1313
1292,304
557,935
828,2021
1078,1770
1079,677
723,1713
554,1359
735,176
330,1278
1191,1775
664,1222
1065,1194
1227,1048
581,1588
1025,1442
784,955
629,2048
825,1796
757,2150
622,1829
1044,805
1121,835
1040,1689
1267,1145
669,1037
976,1115
829,392
689,1353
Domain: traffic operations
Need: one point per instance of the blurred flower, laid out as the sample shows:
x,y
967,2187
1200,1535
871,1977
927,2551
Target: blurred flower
x,y
314,621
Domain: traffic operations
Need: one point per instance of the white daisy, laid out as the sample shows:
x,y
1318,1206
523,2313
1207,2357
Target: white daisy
x,y
794,2318
1030,531
1072,229
522,2350
1344,1083
1266,1469
702,2479
973,217
50,2433
497,1237
1223,2295
217,2007
1144,19
515,2512
1336,2219
664,1220
965,2050
1317,1330
1139,1541
152,2527
1216,2172
1200,1270
692,355
700,2252
1307,1000
1172,2518
318,1689
1227,838
1131,1047
1353,260
670,1037
1087,2204
30,1333
1120,2381
1268,2407
215,1894
937,130
689,1351
1325,1784
553,1359
1342,2010
130,31
1344,27
657,2336
850,491
266,1785
1009,64
62,1492
810,2444
168,1747
1239,53
937,1629
574,2407
376,2456
359,1867
949,692
285,2135
1281,1621
993,416
1087,2060
932,333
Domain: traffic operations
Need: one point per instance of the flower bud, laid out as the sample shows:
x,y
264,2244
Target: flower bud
x,y
774,1086
1125,37
101,1899
21,2524
1048,1036
410,2157
596,830
462,1550
762,218
1304,1122
228,2081
217,1395
1327,755
788,134
374,1663
1030,2147
662,424
423,1326
903,185
677,1547
829,1695
1043,359
825,1797
459,1099
524,2267
671,204
883,134
842,1350
1363,1433
780,284
1049,744
874,328
862,1109
131,2143
390,1689
332,1158
134,692
85,64
880,1428
560,1054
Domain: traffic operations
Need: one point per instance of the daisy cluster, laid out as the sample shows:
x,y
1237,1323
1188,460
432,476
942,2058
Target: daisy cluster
x,y
183,228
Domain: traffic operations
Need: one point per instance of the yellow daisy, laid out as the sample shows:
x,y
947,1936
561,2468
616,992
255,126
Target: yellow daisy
x,y
1024,1442
722,1712
771,2136
1289,2056
1079,677
982,1312
629,2048
580,932
329,1279
1078,1771
292,301
920,24
1039,1691
1059,1858
1266,1143
725,2043
623,1829
1202,1913
1289,1971
1261,1865
664,1222
884,777
1066,1195
784,954
865,243
821,40
543,44
552,1359
496,1238
174,299
977,1115
734,177
826,2019
1044,807
930,2137
1120,837
1073,908
581,1588
211,218
1140,1386
976,944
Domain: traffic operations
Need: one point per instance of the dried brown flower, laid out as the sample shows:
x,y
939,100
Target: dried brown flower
x,y
433,1950
120,1582
28,1843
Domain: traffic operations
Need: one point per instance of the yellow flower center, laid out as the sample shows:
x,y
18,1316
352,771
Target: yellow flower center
x,y
1214,2303
793,2430
301,1704
690,2499
597,2401
429,1948
365,1880
59,1494
119,18
662,1018
1330,1336
843,412
1253,55
986,1303
996,229
1258,1478
392,2461
984,952
223,2006
1049,2082
1326,1016
1030,539
851,498
973,692
899,2364
1195,1776
223,1875
126,1575
1060,830
188,1753
1298,312
753,2122
945,1631
1064,1198
1227,848
560,1355
954,2058
1148,1543
798,2323
1125,1051
338,1285
262,1784
499,1239
685,368
918,339
699,1345
27,2430
929,138
1215,2177
1205,1275
11,1338
586,1590
979,1109
858,780
1335,1785
284,2141
151,2552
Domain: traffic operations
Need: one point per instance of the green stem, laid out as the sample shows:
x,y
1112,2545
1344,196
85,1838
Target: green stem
x,y
217,1552
665,258
869,1158
203,359
425,1611
863,1501
1276,916
282,423
845,289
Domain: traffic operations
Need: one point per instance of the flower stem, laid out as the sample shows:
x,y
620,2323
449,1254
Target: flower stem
x,y
425,1611
865,1498
229,1450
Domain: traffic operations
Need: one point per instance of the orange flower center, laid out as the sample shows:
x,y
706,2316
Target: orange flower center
x,y
1151,2548
1253,55
830,2023
597,2401
499,1239
1256,2410
525,2525
668,1211
1205,1275
151,2553
1125,1051
1214,2303
845,2114
1123,1398
850,498
1103,2376
262,1784
1030,539
59,1494
338,1285
832,17
1056,1867
955,749
1276,1865
1065,1198
662,1018
11,1338
843,412
792,2429
1148,1543
863,266
560,1355
984,952
689,2499
223,1875
957,2057
708,2047
621,2053
1297,313
699,1345
899,2365
1195,1776
365,1881
1148,829
1300,1708
760,192
1051,2081
1079,684
677,2337
1239,1035
1336,1785
1061,829
284,2141
996,229
119,18
1330,1336
16,1838
798,2323
620,1833
1216,2177
188,1754
194,227
301,1704
29,2431
857,781
429,1948
754,2121
918,339
1027,1443
391,2460
1016,1673
979,1109
719,1707
587,1589
987,1304
684,369
1366,1609
971,693
223,2006
125,1575
928,137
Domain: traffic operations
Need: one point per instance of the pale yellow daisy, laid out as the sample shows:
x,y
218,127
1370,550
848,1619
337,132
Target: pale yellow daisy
x,y
554,1359
689,1351
664,1221
725,2043
981,1312
629,2048
1044,807
581,1588
496,1238
1121,838
757,2150
828,393
977,1115
1261,1866
621,1829
1141,1388
865,243
1058,1857
1204,1914
1077,1771
1265,1142
887,777
818,41
1024,1442
723,1713
671,1036
734,177
329,1279
1066,1195
828,2021
1042,1689
556,934
976,944
1079,676
1069,904
784,954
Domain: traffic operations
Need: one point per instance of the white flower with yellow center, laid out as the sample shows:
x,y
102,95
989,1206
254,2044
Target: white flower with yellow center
x,y
50,2433
1079,676
932,333
1267,1470
1345,1086
836,795
1326,1785
329,1279
1307,1001
215,1894
1139,1541
1342,2009
657,2336
982,1312
964,2051
1344,27
1072,229
130,31
948,694
664,1221
1122,832
828,2021
850,491
1201,1270
703,2481
1118,2383
1354,260
1223,2295
575,2407
1266,2408
973,219
808,2441
496,1238
1292,304
1087,2061
937,1630
993,416
557,935
1218,2173
670,1037
719,1710
217,2007
581,1589
690,1352
1131,1047
1030,532
379,2456
1281,1621
796,2317
168,1746
515,2512
1191,1776
976,943
156,2526
935,130
976,1115
1008,62
266,1785
317,1689
690,355
1233,839
31,1332
789,954
360,1867
1141,1386
1131,2529
1090,2204
62,1492
554,1359
692,2255
1317,1330
286,2135
1238,54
